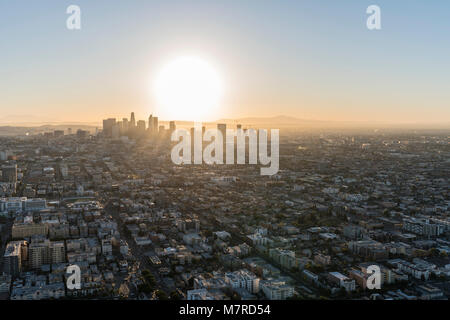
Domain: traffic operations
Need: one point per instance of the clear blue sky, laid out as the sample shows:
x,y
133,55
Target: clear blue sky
x,y
310,59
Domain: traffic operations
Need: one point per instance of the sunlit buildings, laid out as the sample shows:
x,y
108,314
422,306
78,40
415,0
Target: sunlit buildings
x,y
14,257
141,127
108,125
38,292
45,252
342,281
132,121
243,279
22,204
155,124
423,227
28,229
276,290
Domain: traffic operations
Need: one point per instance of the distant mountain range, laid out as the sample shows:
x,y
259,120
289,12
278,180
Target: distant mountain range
x,y
279,120
292,122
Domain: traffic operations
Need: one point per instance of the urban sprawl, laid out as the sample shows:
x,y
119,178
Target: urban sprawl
x,y
141,227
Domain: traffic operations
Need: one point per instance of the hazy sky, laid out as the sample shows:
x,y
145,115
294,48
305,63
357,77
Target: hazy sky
x,y
310,59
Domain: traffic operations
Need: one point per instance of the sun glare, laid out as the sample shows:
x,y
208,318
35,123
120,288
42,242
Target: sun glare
x,y
188,88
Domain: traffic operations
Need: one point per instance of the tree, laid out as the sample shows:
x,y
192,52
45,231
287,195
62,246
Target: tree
x,y
161,295
148,282
174,295
148,277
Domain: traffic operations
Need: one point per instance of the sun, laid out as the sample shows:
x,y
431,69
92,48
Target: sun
x,y
188,88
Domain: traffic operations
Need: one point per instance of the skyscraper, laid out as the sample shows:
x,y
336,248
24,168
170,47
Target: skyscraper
x,y
150,123
125,125
107,126
120,125
115,131
155,125
132,121
140,127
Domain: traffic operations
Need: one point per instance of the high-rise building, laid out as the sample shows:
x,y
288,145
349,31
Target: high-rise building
x,y
9,173
125,125
107,126
141,127
132,121
46,252
115,131
120,125
150,123
82,133
14,257
155,125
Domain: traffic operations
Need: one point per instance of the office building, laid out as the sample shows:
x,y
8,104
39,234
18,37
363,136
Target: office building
x,y
155,125
132,121
141,128
108,127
